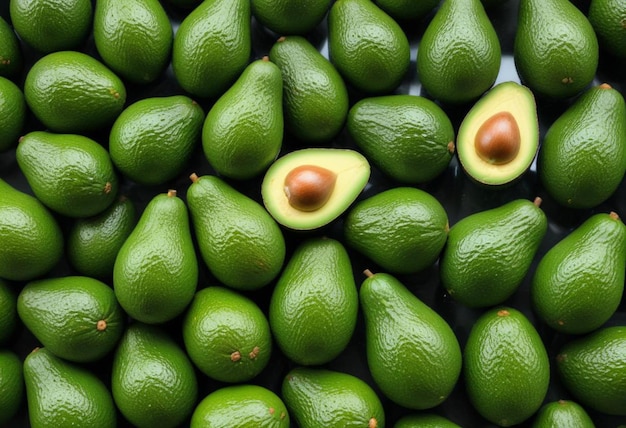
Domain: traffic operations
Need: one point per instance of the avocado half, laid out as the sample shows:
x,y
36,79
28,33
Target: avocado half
x,y
308,188
499,137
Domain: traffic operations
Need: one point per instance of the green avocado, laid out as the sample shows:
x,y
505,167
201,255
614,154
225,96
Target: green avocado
x,y
287,17
498,139
308,188
11,57
562,413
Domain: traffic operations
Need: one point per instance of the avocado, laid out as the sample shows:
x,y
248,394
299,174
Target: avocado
x,y
578,284
12,113
562,413
506,367
76,318
153,382
133,37
407,10
458,57
155,273
71,174
28,251
61,393
11,385
318,279
498,138
309,188
8,311
321,397
287,17
582,159
11,56
592,369
555,48
424,420
243,406
489,253
227,335
608,19
412,352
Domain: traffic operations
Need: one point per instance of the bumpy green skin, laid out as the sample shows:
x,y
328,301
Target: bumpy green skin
x,y
73,92
133,37
93,242
556,49
424,420
11,57
60,393
459,54
562,413
402,229
243,132
152,140
244,406
221,322
239,241
405,10
213,40
11,385
64,314
8,312
408,137
582,159
315,98
506,367
412,353
52,26
608,18
155,274
489,253
318,397
592,369
367,46
152,380
313,308
579,282
32,240
287,17
71,174
12,113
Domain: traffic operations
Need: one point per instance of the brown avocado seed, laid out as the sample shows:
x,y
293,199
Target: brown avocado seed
x,y
498,139
308,187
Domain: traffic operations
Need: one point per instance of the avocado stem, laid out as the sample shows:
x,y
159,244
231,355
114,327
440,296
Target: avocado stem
x,y
503,313
368,273
107,187
281,39
451,147
193,177
101,325
171,193
235,356
373,423
605,86
614,215
538,201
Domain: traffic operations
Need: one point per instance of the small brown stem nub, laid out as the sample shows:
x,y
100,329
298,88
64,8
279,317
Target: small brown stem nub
x,y
503,313
101,325
368,273
193,177
538,201
235,356
614,215
171,193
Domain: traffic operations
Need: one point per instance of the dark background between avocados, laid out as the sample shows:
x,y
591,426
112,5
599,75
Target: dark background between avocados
x,y
457,193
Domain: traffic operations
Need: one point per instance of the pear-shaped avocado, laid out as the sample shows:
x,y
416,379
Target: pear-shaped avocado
x,y
153,139
315,97
133,37
11,57
506,367
60,393
556,49
582,158
319,281
412,352
243,132
12,113
212,46
579,282
290,17
70,173
607,19
152,379
562,413
458,58
367,46
407,10
239,241
320,397
155,274
489,253
408,137
308,188
76,318
499,137
424,420
11,385
8,311
31,240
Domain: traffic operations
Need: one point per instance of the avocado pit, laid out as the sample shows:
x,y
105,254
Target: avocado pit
x,y
498,139
308,187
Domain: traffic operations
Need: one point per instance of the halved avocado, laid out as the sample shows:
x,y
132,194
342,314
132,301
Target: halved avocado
x,y
308,188
499,137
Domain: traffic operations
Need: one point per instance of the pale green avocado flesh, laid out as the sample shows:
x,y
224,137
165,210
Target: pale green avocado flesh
x,y
509,97
352,172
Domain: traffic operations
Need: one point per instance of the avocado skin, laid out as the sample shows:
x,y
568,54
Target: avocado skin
x,y
562,413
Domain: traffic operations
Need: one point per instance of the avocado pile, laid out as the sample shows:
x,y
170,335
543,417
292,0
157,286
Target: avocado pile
x,y
313,213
